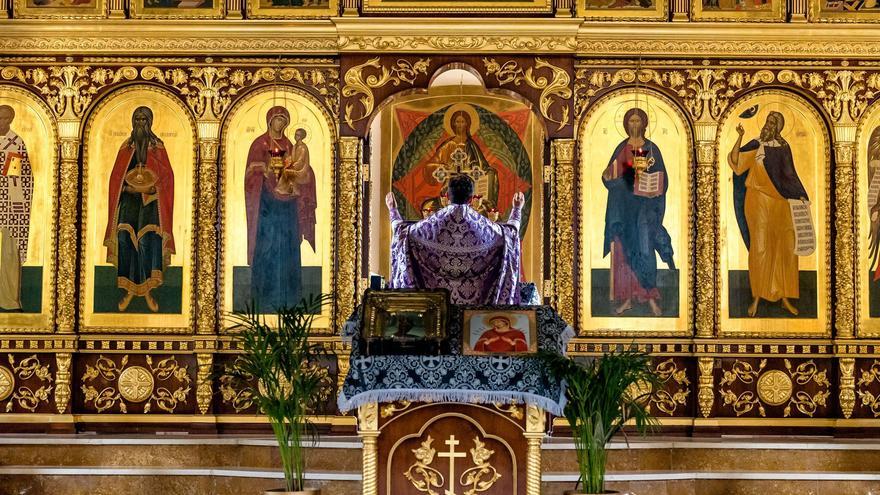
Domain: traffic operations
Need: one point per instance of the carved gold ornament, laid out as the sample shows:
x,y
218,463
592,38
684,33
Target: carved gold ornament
x,y
476,479
136,384
7,383
393,408
423,477
25,397
774,387
515,411
557,86
866,378
669,373
483,475
241,398
357,84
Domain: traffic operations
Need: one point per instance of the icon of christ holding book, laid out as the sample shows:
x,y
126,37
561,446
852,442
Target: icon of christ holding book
x,y
636,180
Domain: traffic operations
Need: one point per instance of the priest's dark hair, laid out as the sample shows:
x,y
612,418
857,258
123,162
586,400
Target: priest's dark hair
x,y
461,189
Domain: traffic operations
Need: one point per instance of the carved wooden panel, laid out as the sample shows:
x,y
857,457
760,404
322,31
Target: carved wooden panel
x,y
27,383
429,446
774,388
135,383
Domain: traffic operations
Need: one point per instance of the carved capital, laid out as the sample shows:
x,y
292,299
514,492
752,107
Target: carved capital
x,y
368,418
847,386
705,154
706,392
62,381
843,154
564,149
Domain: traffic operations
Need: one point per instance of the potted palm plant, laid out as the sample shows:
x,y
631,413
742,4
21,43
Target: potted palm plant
x,y
603,394
283,372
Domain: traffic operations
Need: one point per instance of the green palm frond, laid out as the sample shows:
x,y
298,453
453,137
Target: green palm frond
x,y
604,394
283,370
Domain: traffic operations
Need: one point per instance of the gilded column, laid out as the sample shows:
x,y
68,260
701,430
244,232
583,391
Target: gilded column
x,y
706,392
847,386
563,8
535,430
346,247
206,275
562,212
799,10
116,9
368,429
204,389
62,381
68,219
234,9
5,4
350,8
705,303
680,10
844,271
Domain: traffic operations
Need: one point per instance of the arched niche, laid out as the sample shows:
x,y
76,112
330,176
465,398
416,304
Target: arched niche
x,y
807,137
244,139
612,299
405,137
107,131
29,201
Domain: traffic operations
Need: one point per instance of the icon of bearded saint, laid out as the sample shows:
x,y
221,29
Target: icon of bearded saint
x,y
139,238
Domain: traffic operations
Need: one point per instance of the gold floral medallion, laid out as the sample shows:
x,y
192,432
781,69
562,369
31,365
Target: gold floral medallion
x,y
7,383
136,384
774,387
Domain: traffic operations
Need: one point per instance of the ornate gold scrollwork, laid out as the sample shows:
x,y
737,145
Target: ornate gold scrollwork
x,y
392,408
136,384
240,398
423,477
775,387
23,396
483,475
554,89
476,479
666,401
746,401
515,411
356,84
867,377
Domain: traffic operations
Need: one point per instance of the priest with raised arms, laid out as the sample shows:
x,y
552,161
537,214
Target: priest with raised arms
x,y
458,249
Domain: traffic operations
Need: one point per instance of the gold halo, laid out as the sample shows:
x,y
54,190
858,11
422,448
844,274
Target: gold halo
x,y
488,319
644,105
461,107
278,101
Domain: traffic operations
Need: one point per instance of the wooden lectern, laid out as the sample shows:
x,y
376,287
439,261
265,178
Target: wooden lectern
x,y
451,448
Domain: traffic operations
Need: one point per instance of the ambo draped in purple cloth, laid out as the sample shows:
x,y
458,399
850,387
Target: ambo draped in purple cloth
x,y
458,249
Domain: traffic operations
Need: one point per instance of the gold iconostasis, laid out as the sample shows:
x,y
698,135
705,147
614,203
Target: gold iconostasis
x,y
719,213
